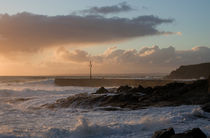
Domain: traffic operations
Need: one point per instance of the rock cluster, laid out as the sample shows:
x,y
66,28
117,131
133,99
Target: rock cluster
x,y
172,94
169,133
101,90
164,133
206,107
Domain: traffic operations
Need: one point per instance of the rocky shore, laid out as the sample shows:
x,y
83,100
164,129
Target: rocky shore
x,y
126,97
170,133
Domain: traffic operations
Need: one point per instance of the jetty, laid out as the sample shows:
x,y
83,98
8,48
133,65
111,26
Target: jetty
x,y
109,82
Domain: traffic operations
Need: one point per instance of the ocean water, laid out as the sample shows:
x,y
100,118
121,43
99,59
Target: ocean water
x,y
21,114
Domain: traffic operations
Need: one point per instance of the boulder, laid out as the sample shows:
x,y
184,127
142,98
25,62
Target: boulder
x,y
140,88
169,133
101,90
164,133
194,133
125,88
206,107
147,90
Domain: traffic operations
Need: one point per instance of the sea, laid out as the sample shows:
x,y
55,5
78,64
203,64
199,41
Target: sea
x,y
23,116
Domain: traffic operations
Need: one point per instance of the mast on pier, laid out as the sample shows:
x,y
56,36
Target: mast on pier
x,y
90,69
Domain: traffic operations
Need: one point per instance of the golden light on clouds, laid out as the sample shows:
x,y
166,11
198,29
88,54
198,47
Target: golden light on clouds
x,y
51,45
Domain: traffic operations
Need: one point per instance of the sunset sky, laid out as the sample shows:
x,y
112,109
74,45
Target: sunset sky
x,y
59,37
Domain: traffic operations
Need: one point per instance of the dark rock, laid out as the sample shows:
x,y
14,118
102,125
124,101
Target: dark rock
x,y
194,133
206,107
164,133
131,98
169,133
112,90
172,94
174,85
124,88
101,90
110,109
140,88
148,90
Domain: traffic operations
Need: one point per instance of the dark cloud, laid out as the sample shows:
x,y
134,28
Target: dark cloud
x,y
121,7
147,59
26,32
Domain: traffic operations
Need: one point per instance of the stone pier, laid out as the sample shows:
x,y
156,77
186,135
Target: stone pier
x,y
109,82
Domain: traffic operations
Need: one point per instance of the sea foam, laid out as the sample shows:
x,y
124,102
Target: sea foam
x,y
20,117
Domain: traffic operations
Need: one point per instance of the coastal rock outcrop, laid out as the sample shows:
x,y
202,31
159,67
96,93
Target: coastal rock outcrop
x,y
125,88
169,133
126,97
101,90
164,133
191,72
206,107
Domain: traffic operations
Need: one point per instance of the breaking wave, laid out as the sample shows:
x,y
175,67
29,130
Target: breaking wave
x,y
88,130
65,123
143,127
19,119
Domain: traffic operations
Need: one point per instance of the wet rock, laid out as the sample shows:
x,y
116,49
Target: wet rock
x,y
101,90
140,88
148,90
124,88
128,98
110,109
172,94
169,133
206,107
137,89
194,133
112,90
164,133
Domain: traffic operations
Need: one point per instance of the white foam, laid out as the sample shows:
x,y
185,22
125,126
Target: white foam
x,y
22,118
140,123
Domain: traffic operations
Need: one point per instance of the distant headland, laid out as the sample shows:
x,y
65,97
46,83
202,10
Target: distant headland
x,y
196,71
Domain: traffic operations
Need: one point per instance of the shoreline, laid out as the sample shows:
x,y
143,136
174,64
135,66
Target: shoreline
x,y
127,97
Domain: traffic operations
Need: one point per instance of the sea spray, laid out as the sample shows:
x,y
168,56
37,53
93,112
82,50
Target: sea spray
x,y
20,119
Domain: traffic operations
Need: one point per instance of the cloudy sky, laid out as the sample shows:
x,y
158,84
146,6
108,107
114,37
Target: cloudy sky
x,y
59,37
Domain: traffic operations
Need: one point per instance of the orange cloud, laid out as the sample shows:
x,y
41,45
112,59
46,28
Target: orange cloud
x,y
113,60
147,59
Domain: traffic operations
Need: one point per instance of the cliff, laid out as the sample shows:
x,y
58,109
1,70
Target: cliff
x,y
191,72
